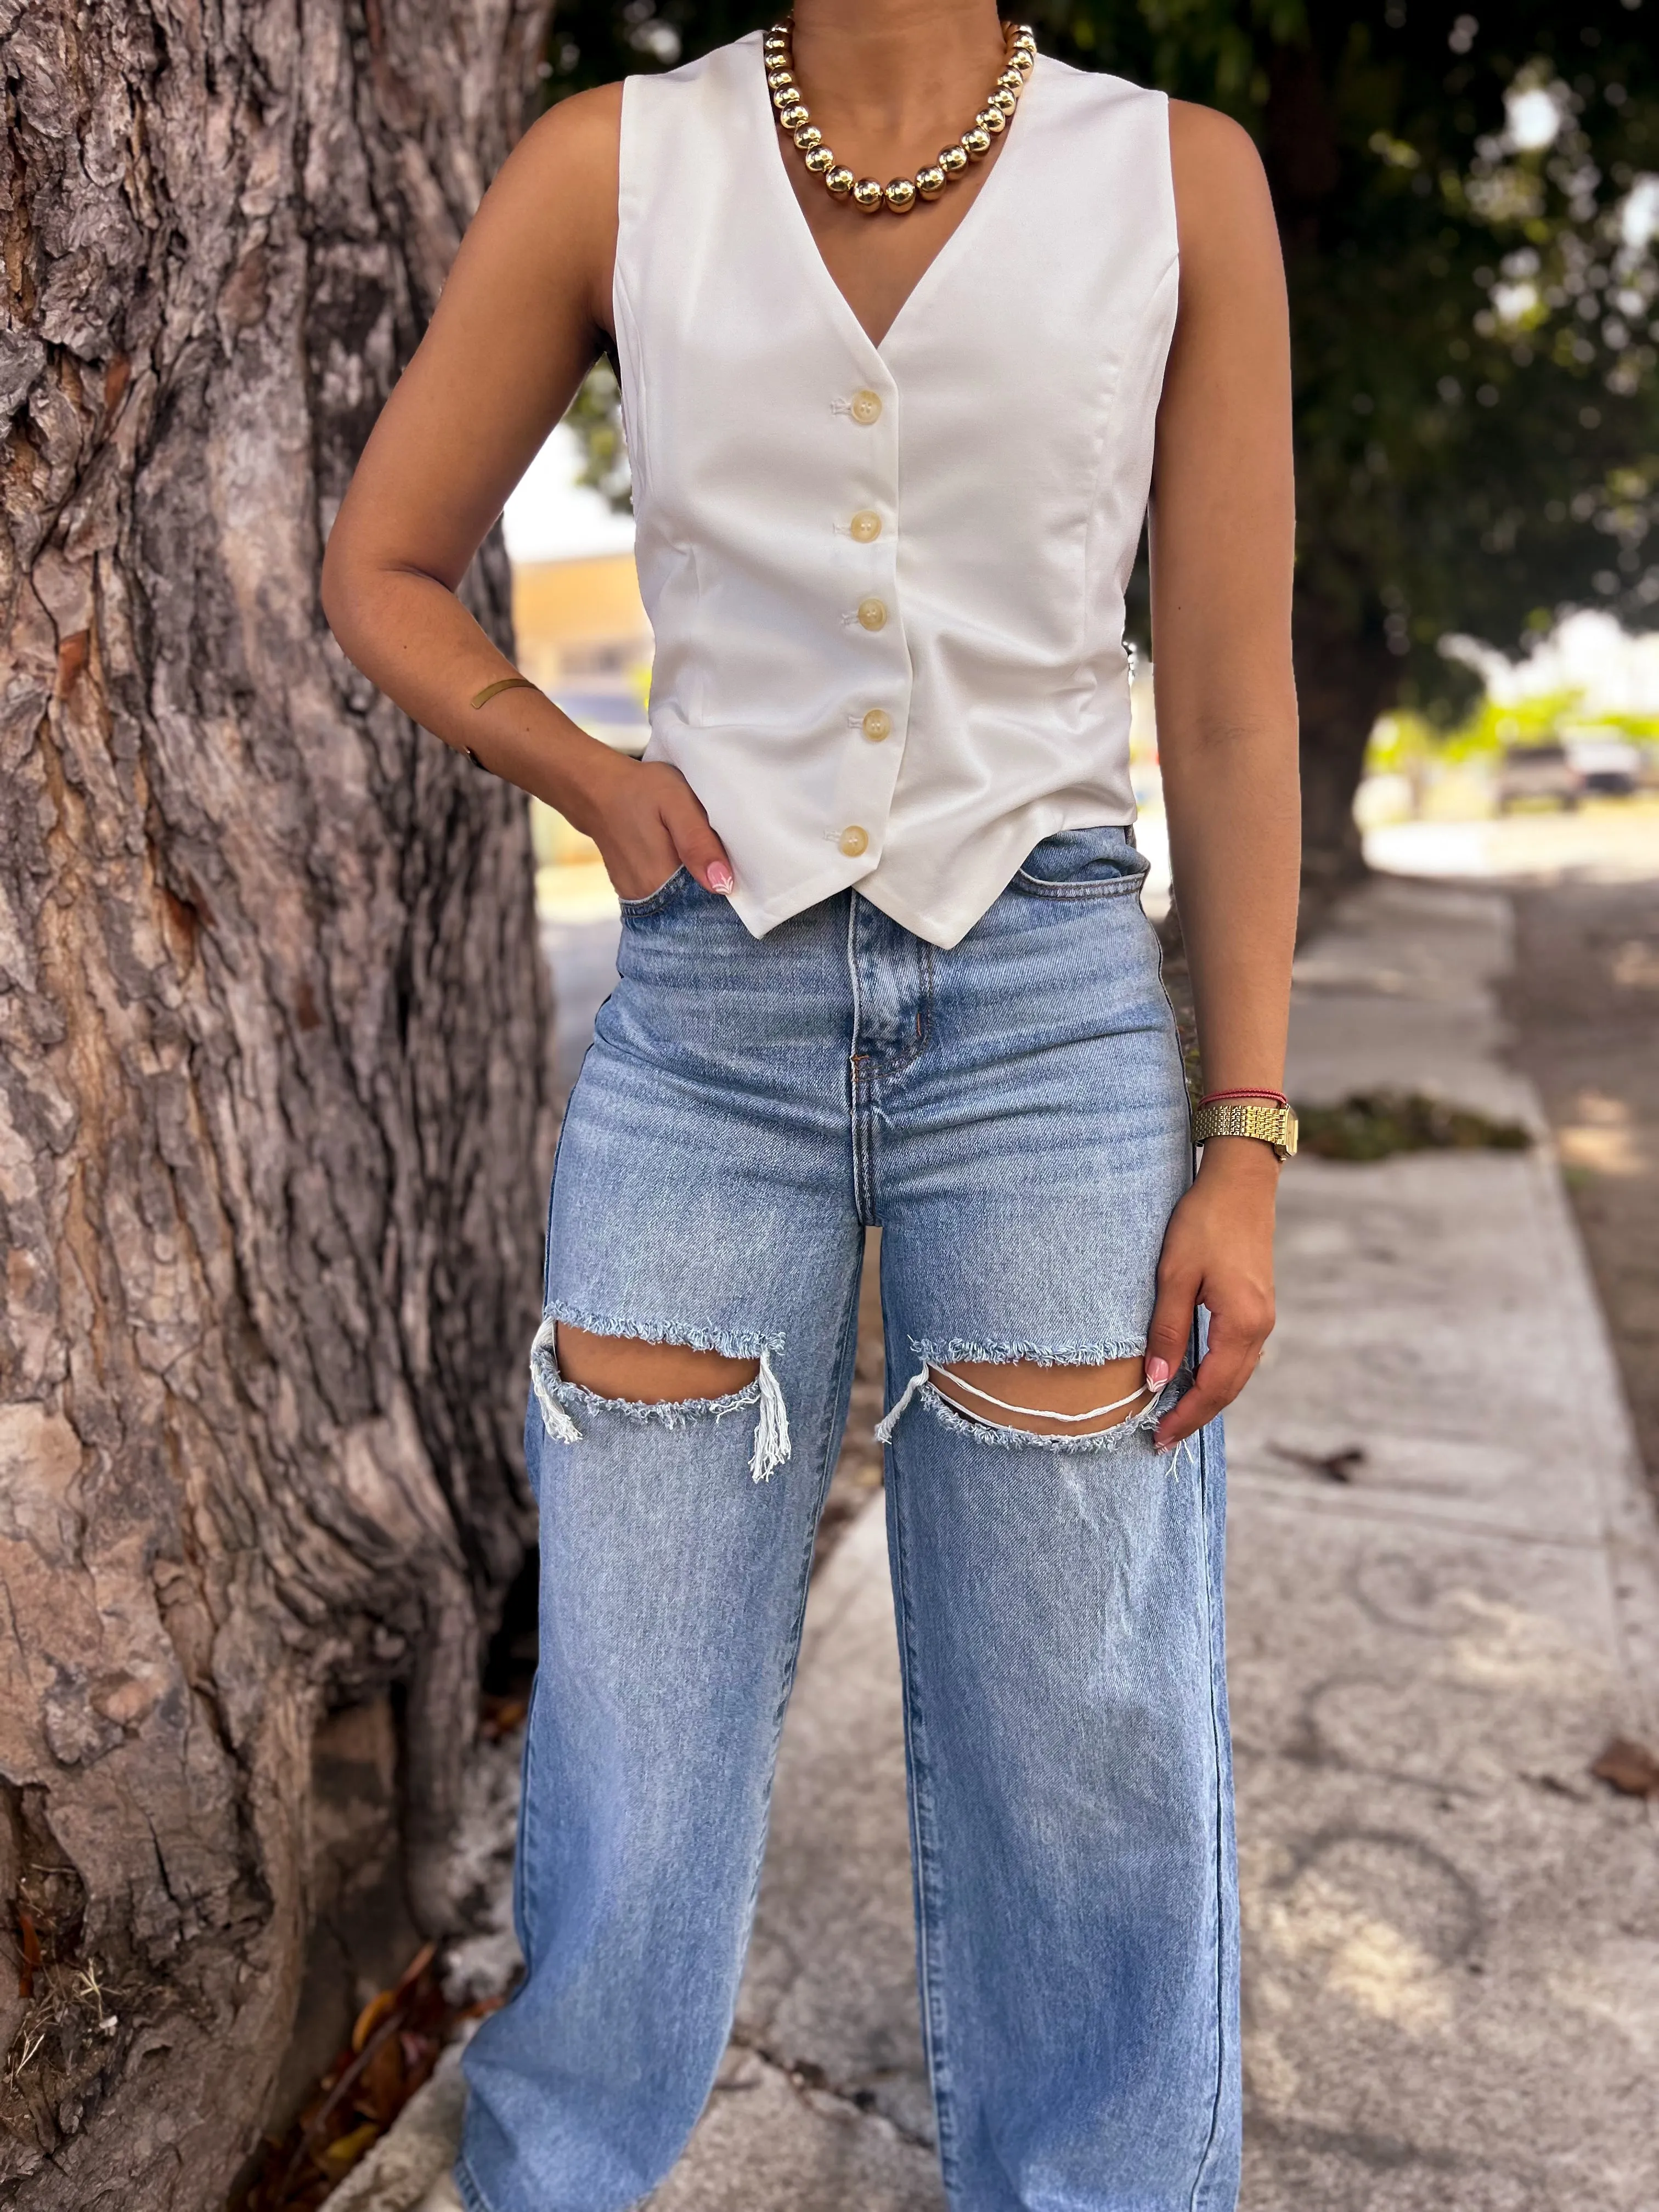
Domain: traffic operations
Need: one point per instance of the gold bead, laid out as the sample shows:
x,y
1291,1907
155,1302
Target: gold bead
x,y
840,181
900,195
785,95
952,161
809,135
977,144
793,118
1022,59
931,182
867,196
1010,81
821,162
991,119
1003,101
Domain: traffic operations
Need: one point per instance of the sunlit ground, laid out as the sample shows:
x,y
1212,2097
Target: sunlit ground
x,y
1602,841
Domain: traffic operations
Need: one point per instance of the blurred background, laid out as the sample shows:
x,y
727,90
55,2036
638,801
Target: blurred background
x,y
1469,204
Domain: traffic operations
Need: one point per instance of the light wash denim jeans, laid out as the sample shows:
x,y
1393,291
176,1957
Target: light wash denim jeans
x,y
1012,1112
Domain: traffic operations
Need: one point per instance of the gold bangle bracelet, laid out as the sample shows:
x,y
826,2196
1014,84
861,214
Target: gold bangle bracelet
x,y
502,684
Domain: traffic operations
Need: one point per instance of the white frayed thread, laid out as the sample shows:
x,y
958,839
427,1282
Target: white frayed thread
x,y
890,1419
885,1427
772,1428
543,1374
1042,1411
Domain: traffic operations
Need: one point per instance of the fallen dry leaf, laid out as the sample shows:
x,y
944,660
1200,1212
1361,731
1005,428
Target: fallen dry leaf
x,y
501,1715
344,2152
371,2016
1630,1768
1335,1467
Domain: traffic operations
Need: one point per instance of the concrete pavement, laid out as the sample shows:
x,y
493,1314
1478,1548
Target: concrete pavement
x,y
1444,1589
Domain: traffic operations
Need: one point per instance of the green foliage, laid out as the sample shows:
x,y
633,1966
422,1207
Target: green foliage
x,y
1469,209
1375,1124
596,417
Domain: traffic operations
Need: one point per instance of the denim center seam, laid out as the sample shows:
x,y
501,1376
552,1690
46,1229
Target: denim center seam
x,y
930,1918
523,1918
1206,2157
866,926
827,1457
468,2190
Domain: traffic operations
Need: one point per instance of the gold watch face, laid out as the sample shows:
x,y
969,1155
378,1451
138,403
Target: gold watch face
x,y
1286,1148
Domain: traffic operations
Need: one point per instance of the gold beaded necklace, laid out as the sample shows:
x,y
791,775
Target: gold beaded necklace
x,y
866,193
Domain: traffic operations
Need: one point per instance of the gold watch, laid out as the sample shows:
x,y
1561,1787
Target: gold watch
x,y
1248,1117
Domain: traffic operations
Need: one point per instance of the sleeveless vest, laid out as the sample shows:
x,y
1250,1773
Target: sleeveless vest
x,y
907,710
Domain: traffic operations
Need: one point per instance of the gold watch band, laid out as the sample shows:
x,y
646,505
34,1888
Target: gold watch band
x,y
1248,1117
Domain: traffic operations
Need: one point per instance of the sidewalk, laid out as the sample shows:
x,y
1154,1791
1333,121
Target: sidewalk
x,y
1452,1931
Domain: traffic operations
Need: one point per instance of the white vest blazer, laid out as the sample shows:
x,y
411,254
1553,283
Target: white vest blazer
x,y
1002,433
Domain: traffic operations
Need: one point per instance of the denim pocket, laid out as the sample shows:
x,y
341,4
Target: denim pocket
x,y
654,901
1083,864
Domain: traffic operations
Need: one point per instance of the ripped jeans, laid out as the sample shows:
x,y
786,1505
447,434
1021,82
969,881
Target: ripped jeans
x,y
1012,1112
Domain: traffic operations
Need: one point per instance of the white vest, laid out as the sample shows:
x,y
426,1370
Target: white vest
x,y
1002,433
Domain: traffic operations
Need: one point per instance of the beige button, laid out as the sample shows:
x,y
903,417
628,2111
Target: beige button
x,y
877,724
867,407
872,613
866,526
853,841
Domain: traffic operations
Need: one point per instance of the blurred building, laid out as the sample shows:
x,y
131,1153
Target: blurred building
x,y
582,637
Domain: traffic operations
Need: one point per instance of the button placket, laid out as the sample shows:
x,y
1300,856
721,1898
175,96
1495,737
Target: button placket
x,y
869,770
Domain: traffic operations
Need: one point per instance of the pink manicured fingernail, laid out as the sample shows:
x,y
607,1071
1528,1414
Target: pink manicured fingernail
x,y
1158,1371
720,877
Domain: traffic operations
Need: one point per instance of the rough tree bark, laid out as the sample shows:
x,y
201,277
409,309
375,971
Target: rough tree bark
x,y
274,1094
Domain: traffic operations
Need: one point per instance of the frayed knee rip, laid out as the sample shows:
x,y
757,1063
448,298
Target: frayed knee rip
x,y
964,1403
627,1368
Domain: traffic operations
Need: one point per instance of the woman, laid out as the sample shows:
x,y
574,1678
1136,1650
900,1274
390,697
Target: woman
x,y
883,961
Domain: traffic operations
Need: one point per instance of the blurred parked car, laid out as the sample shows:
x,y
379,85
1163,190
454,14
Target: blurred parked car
x,y
1611,767
1542,772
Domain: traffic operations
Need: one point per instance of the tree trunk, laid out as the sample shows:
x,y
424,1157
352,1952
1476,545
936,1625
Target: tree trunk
x,y
1345,678
274,1112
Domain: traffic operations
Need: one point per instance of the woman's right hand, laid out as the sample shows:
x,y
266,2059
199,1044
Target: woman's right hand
x,y
647,823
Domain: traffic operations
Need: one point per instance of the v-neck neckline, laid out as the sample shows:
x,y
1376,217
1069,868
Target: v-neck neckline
x,y
814,252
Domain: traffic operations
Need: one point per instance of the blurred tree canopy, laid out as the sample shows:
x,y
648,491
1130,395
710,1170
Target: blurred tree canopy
x,y
1469,204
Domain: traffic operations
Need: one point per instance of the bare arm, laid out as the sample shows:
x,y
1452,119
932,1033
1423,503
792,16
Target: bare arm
x,y
522,315
1222,537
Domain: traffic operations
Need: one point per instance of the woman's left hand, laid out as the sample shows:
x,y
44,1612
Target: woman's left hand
x,y
1218,1252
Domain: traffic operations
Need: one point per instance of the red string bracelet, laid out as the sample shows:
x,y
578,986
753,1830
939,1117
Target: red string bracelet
x,y
1211,1097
